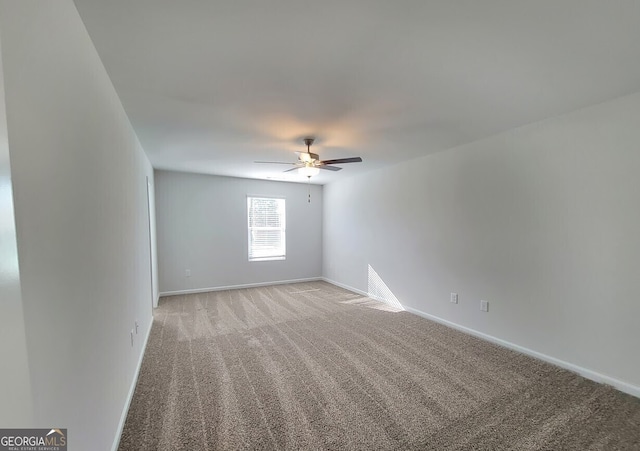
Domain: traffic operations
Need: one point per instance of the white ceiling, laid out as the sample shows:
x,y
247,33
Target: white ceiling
x,y
211,86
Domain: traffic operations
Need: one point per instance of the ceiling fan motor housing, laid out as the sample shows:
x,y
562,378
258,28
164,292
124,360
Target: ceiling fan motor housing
x,y
308,157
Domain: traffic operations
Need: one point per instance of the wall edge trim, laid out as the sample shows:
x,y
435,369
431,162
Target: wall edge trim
x,y
584,372
235,287
600,378
132,389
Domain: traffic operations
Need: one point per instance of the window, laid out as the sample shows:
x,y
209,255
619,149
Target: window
x,y
266,228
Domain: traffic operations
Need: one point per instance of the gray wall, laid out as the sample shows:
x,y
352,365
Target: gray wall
x,y
202,226
14,378
542,221
79,180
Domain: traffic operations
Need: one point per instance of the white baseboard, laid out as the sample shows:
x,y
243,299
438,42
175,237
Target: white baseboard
x,y
584,372
346,287
236,287
625,387
132,389
355,290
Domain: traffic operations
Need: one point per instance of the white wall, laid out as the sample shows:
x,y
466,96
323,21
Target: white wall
x,y
79,179
202,226
542,221
15,410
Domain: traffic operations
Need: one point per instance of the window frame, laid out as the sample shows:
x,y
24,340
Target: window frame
x,y
282,229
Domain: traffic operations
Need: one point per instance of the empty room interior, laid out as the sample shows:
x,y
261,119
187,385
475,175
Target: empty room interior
x,y
292,225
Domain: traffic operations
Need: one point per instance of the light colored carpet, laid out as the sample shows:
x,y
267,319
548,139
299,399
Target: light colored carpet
x,y
313,366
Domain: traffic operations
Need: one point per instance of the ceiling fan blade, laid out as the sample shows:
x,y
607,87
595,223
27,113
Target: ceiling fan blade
x,y
293,169
330,168
273,162
342,160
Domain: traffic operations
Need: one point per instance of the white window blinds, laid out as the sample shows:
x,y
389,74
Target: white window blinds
x,y
267,225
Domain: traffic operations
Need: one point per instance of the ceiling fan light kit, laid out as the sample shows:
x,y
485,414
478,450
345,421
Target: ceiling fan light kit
x,y
308,170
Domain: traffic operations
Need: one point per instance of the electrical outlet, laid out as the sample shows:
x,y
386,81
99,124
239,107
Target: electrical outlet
x,y
187,273
484,306
132,338
454,298
136,327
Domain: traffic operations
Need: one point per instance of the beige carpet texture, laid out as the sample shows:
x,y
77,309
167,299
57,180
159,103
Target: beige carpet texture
x,y
311,366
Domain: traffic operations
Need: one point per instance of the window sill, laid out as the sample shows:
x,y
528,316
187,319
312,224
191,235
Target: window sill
x,y
266,259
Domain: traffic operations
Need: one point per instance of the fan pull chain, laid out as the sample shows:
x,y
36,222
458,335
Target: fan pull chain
x,y
309,185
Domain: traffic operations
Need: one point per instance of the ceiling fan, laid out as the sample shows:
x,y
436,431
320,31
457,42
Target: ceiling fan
x,y
309,163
